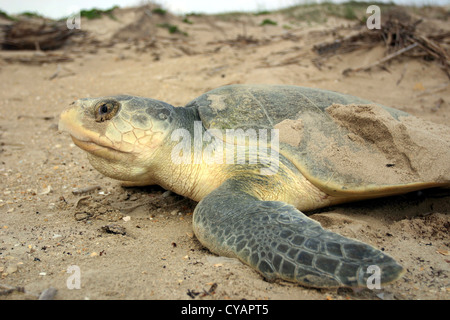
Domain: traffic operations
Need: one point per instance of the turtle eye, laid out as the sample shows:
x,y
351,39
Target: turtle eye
x,y
103,109
106,110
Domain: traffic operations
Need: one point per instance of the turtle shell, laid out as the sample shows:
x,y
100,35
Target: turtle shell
x,y
341,143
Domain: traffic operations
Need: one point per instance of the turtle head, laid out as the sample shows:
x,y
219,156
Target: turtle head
x,y
122,134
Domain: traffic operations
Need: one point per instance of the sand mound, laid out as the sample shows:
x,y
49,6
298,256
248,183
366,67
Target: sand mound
x,y
407,149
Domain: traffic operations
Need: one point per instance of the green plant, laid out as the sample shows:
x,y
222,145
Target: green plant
x,y
159,11
186,20
30,14
268,22
91,14
4,15
194,14
97,13
171,28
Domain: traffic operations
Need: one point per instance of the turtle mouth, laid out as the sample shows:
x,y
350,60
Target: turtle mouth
x,y
98,149
93,147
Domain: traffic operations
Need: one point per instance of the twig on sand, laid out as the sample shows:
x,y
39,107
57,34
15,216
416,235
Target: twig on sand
x,y
387,58
85,189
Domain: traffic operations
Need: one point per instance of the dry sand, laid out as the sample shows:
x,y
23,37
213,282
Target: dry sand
x,y
45,227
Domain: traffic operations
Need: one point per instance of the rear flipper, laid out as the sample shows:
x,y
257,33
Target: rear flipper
x,y
281,242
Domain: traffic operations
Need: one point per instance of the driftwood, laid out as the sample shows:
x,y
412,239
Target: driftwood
x,y
35,34
399,36
387,58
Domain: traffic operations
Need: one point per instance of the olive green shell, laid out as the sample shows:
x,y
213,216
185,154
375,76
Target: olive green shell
x,y
337,154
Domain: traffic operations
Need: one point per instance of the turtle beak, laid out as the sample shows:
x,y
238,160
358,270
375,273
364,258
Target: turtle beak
x,y
69,120
63,120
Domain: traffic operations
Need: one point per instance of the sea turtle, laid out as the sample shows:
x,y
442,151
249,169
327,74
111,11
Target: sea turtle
x,y
253,156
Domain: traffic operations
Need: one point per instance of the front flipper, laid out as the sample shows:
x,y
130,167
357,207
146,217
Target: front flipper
x,y
281,242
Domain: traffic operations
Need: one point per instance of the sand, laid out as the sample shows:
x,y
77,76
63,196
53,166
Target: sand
x,y
390,151
137,243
